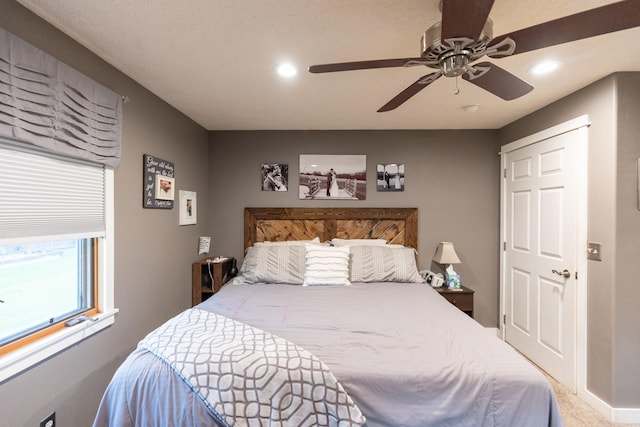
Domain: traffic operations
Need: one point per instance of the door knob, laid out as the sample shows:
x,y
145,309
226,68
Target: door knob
x,y
564,273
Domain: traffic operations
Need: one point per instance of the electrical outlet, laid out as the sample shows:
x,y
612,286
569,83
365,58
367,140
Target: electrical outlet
x,y
50,421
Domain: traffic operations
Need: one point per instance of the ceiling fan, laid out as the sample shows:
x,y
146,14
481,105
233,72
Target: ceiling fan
x,y
465,35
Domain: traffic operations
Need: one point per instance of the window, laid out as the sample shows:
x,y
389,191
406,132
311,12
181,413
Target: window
x,y
56,252
44,284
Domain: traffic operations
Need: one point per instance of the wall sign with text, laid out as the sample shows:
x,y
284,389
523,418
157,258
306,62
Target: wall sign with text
x,y
159,184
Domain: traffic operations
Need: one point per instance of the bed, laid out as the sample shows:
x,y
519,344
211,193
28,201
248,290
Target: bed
x,y
278,346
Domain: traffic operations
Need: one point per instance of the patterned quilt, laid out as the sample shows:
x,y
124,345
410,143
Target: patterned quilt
x,y
249,377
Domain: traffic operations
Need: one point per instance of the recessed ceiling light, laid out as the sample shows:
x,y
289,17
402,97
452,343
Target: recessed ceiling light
x,y
545,67
286,70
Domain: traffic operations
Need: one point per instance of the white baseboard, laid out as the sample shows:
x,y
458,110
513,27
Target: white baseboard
x,y
616,415
626,415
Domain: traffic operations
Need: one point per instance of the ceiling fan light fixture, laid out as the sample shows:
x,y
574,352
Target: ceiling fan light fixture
x,y
455,65
453,55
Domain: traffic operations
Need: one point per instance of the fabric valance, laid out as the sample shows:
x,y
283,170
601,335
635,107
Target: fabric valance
x,y
48,104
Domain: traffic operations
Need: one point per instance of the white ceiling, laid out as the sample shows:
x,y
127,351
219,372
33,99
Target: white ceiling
x,y
213,59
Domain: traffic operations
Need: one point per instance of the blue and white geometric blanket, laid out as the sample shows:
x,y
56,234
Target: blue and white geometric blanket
x,y
249,377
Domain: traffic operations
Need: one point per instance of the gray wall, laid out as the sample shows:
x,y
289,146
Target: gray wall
x,y
451,176
626,340
612,104
153,255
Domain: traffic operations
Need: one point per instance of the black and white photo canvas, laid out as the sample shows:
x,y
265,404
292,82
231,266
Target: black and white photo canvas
x,y
333,177
275,176
390,177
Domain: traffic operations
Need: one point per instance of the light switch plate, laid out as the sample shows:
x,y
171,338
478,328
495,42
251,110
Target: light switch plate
x,y
594,251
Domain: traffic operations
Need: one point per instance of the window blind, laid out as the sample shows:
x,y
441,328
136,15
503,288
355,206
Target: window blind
x,y
44,197
46,103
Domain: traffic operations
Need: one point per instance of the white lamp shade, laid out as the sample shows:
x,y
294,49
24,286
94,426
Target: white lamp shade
x,y
446,254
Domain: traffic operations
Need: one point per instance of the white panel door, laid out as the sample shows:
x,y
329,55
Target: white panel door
x,y
540,257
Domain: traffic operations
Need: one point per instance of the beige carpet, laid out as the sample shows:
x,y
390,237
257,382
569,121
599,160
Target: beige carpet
x,y
575,412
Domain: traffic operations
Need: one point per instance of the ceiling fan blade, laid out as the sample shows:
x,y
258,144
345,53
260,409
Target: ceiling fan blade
x,y
404,96
499,81
363,65
601,20
464,18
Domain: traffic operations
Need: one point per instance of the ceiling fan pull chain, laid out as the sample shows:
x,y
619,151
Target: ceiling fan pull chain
x,y
456,90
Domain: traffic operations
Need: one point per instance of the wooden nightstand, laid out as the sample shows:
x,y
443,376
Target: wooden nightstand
x,y
462,299
202,272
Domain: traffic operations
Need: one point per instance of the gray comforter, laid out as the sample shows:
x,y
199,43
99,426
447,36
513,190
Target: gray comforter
x,y
404,355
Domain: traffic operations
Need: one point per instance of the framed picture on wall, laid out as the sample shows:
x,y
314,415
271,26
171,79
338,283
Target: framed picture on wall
x,y
188,208
274,176
157,172
164,187
390,177
333,177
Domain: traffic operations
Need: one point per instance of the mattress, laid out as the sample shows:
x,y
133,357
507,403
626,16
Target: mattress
x,y
404,355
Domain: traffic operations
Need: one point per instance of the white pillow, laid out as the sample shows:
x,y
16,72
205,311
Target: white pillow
x,y
357,242
274,264
326,265
384,264
288,242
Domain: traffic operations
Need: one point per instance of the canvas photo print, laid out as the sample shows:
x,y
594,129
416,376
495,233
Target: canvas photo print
x,y
333,177
390,177
275,177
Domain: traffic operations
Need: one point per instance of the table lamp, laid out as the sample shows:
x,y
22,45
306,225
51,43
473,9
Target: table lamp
x,y
446,254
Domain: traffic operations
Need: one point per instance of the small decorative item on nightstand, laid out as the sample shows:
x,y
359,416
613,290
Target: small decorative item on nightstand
x,y
208,276
453,282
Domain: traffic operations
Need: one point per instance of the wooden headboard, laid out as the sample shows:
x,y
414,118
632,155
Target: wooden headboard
x,y
396,225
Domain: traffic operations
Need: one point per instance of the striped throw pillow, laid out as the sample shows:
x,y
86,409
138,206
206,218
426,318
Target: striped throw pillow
x,y
274,264
384,264
326,265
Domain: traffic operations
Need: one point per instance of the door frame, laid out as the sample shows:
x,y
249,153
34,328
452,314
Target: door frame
x,y
581,124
